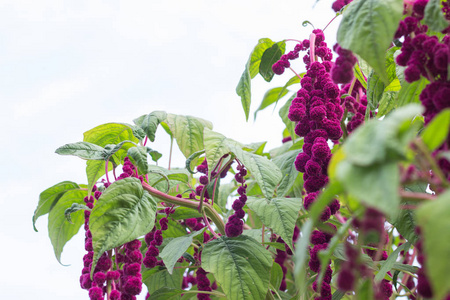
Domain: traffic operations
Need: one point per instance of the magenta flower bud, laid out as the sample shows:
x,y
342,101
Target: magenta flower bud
x,y
301,160
112,275
163,223
150,261
99,278
135,256
153,251
133,285
115,295
132,269
313,168
309,200
96,293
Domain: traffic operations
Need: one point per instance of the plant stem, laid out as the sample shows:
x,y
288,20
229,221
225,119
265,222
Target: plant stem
x,y
205,218
300,77
312,47
209,210
416,196
337,15
106,170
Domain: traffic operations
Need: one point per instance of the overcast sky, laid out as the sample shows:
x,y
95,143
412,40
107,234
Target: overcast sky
x,y
68,66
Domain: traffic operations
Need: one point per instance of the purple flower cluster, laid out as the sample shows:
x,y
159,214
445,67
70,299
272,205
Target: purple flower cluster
x,y
423,285
203,284
339,4
235,225
342,70
129,170
153,239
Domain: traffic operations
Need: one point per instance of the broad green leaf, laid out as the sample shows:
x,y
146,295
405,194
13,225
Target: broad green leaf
x,y
405,224
216,145
155,155
83,150
149,123
49,197
271,56
257,53
280,214
256,234
375,90
266,173
224,192
434,17
377,185
188,131
182,213
289,173
368,27
158,277
111,149
387,103
410,92
244,90
270,97
111,133
434,222
389,263
138,132
94,170
240,265
338,294
174,230
123,213
283,113
175,249
436,132
138,156
257,148
359,75
60,230
365,290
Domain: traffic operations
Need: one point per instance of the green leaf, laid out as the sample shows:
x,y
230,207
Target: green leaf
x,y
410,92
377,185
193,157
301,255
188,131
375,90
94,170
74,208
289,173
436,132
123,213
224,192
149,123
434,222
240,265
257,53
271,56
175,249
405,224
266,173
387,103
359,75
294,80
216,145
338,294
138,156
276,275
158,278
365,290
60,230
368,27
49,197
283,113
434,17
270,97
83,150
155,155
280,214
244,90
389,263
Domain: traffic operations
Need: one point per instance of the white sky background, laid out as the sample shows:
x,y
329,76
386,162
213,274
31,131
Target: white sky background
x,y
68,66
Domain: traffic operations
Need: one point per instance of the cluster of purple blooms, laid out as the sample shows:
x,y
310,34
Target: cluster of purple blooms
x,y
426,56
125,282
423,284
339,4
342,71
281,256
235,225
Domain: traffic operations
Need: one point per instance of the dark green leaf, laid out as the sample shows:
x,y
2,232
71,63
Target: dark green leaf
x,y
49,197
405,224
175,249
375,90
387,103
74,208
240,265
138,132
157,278
377,185
271,56
389,263
338,294
193,157
188,131
436,132
60,230
149,123
288,171
280,214
266,173
123,213
368,27
155,155
257,53
434,17
182,213
434,223
138,157
83,150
